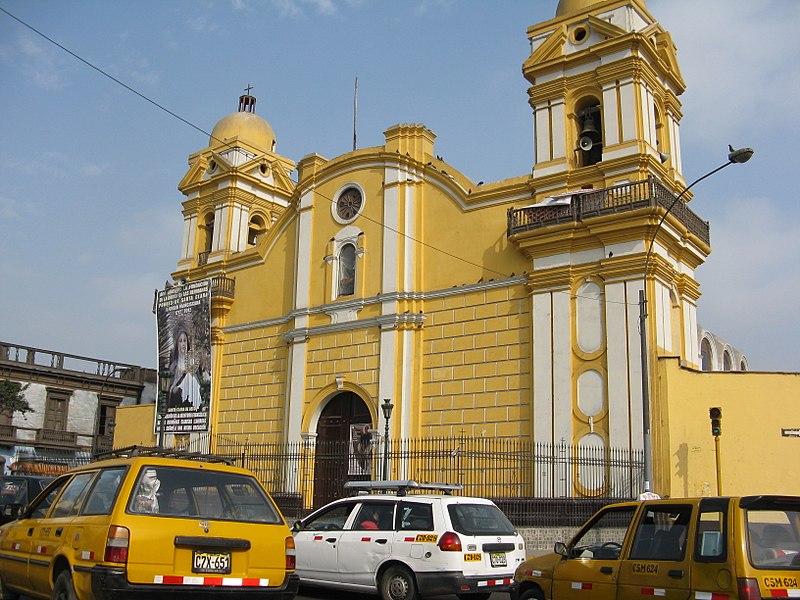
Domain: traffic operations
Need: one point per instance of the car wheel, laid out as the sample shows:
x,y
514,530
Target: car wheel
x,y
534,594
398,584
63,588
7,594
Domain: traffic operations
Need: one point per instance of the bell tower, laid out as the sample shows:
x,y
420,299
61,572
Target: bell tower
x,y
604,92
235,189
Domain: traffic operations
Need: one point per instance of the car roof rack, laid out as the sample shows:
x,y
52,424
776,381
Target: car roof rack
x,y
130,451
401,486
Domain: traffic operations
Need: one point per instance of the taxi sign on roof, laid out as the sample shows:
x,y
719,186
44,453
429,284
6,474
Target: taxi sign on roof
x,y
401,486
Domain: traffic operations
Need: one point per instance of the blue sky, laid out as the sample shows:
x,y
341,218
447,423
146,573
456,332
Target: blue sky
x,y
90,219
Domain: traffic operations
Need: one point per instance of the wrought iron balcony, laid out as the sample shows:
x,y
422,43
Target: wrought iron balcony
x,y
588,204
223,286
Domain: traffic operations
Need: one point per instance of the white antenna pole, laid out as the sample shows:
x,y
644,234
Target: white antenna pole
x,y
355,114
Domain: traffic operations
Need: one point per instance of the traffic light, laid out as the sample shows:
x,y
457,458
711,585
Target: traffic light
x,y
716,420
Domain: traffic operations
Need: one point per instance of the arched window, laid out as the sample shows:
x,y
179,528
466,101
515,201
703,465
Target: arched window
x,y
590,132
706,356
347,270
255,228
209,232
727,363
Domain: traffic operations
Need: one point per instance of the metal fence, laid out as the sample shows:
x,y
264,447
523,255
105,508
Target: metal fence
x,y
534,483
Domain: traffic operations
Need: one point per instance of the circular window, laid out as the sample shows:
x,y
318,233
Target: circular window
x,y
349,203
212,166
579,34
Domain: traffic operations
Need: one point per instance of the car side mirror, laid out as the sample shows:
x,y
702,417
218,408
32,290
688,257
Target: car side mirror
x,y
296,526
13,510
560,548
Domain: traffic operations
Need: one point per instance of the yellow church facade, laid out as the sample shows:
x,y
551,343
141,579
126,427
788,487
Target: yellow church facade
x,y
498,310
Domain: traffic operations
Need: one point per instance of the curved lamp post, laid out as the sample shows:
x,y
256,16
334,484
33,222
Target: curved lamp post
x,y
386,407
742,155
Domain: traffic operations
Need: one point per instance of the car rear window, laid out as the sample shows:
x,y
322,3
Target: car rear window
x,y
773,537
479,519
204,494
14,491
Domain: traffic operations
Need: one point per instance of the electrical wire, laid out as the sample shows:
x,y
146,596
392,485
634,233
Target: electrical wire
x,y
91,65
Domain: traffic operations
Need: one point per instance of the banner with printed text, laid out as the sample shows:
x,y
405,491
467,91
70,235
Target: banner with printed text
x,y
183,314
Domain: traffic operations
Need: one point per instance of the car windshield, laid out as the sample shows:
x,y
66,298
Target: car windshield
x,y
773,534
479,519
204,494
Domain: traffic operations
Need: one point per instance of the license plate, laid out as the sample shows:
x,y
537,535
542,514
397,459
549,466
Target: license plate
x,y
211,562
498,559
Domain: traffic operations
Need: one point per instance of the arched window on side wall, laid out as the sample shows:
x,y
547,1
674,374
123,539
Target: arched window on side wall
x,y
727,363
347,270
706,356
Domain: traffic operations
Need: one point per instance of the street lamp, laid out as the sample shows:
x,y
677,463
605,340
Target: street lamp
x,y
742,155
386,407
164,384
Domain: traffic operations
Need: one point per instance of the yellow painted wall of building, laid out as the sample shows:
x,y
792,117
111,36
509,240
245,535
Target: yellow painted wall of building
x,y
476,365
253,385
134,426
755,457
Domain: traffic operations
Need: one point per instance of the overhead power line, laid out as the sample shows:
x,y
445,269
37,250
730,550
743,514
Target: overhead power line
x,y
210,136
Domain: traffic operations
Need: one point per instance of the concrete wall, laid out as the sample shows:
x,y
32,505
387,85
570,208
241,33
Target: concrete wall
x,y
756,457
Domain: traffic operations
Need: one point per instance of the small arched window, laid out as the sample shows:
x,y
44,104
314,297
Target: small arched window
x,y
727,363
347,270
705,355
255,228
208,232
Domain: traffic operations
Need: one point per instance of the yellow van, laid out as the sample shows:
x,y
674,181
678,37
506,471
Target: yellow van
x,y
744,548
149,522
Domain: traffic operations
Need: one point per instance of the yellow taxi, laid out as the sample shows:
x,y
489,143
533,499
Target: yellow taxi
x,y
149,522
744,548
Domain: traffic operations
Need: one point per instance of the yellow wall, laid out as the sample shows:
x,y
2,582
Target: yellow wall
x,y
755,458
134,426
476,365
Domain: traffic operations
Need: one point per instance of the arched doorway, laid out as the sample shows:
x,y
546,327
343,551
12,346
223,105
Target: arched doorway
x,y
344,446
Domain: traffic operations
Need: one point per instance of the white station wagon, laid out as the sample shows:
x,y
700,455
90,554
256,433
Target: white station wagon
x,y
405,546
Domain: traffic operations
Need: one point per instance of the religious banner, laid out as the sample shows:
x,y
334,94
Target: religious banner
x,y
360,454
183,314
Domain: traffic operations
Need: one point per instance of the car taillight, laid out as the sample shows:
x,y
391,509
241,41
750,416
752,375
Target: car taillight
x,y
291,560
748,589
449,542
117,544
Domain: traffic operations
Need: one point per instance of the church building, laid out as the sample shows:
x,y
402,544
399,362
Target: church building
x,y
507,309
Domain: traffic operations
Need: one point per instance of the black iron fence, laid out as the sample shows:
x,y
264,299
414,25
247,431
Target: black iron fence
x,y
534,483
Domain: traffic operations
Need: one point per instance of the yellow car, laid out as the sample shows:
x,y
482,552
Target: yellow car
x,y
744,548
149,522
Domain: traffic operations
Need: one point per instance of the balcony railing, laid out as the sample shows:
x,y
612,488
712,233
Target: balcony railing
x,y
596,203
223,286
8,433
67,439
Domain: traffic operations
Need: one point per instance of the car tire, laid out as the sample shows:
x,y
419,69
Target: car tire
x,y
7,594
398,583
63,588
534,594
